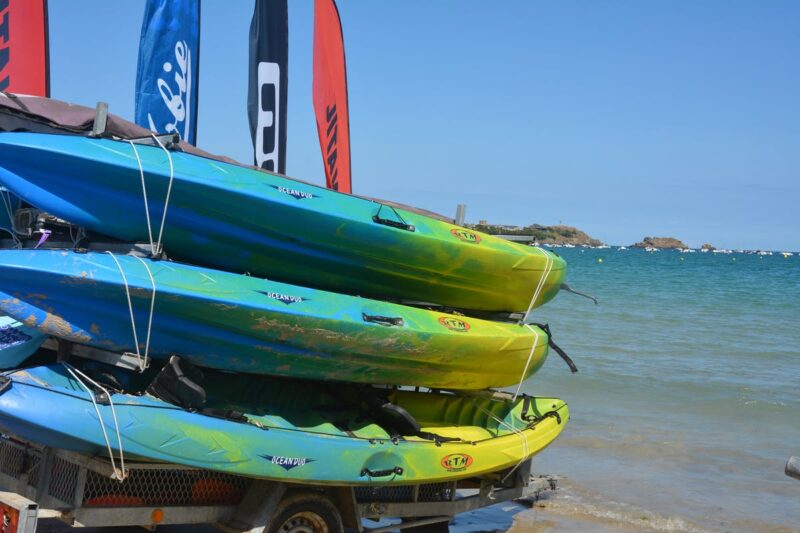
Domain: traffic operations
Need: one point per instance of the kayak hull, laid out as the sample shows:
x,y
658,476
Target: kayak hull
x,y
244,324
298,445
244,220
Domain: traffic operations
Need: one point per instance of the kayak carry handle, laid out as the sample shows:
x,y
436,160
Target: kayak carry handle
x,y
399,224
393,223
396,471
384,320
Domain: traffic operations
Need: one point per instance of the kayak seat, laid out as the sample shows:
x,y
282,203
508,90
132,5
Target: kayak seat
x,y
397,419
178,383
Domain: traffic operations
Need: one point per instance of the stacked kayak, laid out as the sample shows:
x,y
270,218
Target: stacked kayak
x,y
245,324
284,331
244,220
288,431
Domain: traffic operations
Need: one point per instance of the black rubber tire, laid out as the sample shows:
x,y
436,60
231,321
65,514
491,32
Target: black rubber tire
x,y
306,512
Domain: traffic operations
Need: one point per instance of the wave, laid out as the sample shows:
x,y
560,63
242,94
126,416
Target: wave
x,y
573,508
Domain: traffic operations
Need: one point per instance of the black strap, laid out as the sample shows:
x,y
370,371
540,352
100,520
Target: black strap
x,y
226,414
567,288
553,414
526,404
554,346
533,419
437,439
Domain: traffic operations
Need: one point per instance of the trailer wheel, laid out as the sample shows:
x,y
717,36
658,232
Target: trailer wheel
x,y
306,513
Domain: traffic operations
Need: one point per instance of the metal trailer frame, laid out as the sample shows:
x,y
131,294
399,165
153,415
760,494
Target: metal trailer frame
x,y
79,490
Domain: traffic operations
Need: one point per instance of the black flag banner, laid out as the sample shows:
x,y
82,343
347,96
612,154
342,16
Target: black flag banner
x,y
268,80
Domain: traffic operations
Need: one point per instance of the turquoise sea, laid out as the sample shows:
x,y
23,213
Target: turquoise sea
x,y
687,403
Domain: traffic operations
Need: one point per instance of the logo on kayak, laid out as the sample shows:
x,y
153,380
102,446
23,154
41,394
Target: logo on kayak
x,y
454,324
466,235
287,299
456,462
287,463
294,193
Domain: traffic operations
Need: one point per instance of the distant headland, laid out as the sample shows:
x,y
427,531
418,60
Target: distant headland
x,y
561,235
668,243
541,234
660,242
570,237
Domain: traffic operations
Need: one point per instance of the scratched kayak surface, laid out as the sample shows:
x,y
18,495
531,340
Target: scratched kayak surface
x,y
244,220
283,430
244,324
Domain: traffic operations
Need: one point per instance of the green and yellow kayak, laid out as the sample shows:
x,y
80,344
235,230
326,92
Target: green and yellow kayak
x,y
279,429
245,324
244,220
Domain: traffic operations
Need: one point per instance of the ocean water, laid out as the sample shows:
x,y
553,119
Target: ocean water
x,y
687,403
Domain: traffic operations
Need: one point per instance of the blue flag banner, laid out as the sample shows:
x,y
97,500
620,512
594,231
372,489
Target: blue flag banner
x,y
167,75
268,83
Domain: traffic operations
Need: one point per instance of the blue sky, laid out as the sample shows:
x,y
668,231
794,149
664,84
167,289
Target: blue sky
x,y
624,118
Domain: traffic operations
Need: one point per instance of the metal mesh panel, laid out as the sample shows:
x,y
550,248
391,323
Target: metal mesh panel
x,y
164,487
430,492
16,460
63,480
436,492
36,460
11,459
384,494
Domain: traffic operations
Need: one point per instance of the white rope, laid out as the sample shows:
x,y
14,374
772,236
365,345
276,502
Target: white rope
x,y
528,362
155,247
7,204
78,236
520,433
119,473
142,359
545,274
152,308
144,194
169,191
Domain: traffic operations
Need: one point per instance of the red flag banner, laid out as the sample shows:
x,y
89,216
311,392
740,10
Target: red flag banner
x,y
24,62
330,95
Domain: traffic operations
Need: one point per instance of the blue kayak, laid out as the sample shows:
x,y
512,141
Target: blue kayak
x,y
245,324
286,430
241,220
